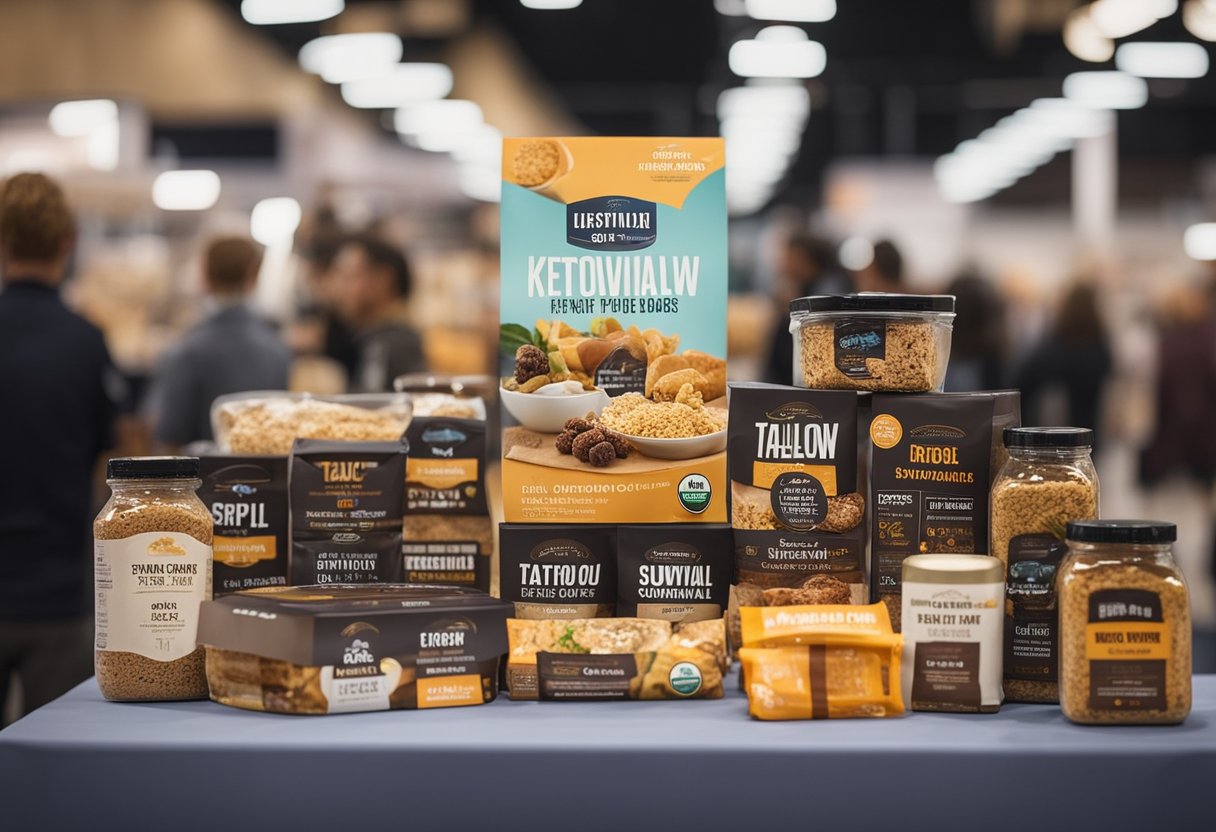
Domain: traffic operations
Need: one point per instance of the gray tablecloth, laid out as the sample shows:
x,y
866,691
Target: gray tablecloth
x,y
83,763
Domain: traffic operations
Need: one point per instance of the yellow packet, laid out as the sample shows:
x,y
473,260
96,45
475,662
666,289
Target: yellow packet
x,y
813,624
824,681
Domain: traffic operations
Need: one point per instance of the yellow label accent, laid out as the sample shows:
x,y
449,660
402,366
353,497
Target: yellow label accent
x,y
1127,641
571,169
243,551
763,474
450,691
886,431
819,624
441,473
540,494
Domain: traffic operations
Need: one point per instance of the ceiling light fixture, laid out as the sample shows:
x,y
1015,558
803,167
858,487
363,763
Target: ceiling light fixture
x,y
275,12
341,58
778,52
399,86
1180,59
186,190
802,11
1106,90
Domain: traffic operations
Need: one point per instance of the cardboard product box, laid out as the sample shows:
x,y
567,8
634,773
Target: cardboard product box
x,y
679,573
553,572
613,302
248,500
933,460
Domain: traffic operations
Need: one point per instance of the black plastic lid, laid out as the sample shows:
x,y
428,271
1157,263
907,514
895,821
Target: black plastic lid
x,y
873,302
1048,438
152,468
1122,531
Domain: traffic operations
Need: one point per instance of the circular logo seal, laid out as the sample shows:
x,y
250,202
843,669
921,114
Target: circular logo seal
x,y
799,501
685,678
886,431
695,493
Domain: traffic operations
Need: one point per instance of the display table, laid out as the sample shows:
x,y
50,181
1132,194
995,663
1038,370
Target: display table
x,y
81,762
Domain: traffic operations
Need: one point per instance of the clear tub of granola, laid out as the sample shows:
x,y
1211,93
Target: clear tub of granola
x,y
267,422
872,341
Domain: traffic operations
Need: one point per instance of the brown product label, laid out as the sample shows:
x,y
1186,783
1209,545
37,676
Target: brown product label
x,y
680,612
817,659
1032,639
446,562
556,611
946,676
1127,644
786,558
585,676
855,342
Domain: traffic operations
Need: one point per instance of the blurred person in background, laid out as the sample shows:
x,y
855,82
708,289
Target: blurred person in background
x,y
977,349
1182,440
373,286
885,273
230,351
808,266
318,329
60,392
1073,360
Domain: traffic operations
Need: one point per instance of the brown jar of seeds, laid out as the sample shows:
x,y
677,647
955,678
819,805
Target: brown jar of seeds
x,y
1125,625
152,569
1048,480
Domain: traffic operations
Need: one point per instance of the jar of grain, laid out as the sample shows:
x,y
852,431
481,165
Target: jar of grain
x,y
1125,625
1048,480
152,569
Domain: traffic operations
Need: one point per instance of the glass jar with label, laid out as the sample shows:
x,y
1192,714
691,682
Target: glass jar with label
x,y
1125,625
1047,481
152,570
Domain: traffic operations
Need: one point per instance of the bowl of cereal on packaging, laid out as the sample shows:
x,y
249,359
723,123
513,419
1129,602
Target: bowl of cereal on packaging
x,y
874,341
546,410
681,429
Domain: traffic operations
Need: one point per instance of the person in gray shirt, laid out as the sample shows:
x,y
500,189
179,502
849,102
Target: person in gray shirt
x,y
231,351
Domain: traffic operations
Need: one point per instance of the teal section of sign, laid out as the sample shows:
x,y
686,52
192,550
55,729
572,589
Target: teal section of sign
x,y
535,226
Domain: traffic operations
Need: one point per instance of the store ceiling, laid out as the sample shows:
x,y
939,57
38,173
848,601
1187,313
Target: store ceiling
x,y
903,78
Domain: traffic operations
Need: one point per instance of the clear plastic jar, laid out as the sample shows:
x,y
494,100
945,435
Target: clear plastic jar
x,y
1047,481
1125,625
872,341
152,570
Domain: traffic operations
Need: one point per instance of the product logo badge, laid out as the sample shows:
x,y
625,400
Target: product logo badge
x,y
359,652
695,493
612,223
685,678
937,432
165,546
794,411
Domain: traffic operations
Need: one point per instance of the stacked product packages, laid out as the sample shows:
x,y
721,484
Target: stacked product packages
x,y
870,368
449,537
615,550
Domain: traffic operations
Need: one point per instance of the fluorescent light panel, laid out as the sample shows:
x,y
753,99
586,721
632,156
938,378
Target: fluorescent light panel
x,y
274,12
341,58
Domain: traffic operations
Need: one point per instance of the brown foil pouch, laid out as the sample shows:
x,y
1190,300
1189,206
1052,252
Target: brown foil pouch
x,y
247,498
558,572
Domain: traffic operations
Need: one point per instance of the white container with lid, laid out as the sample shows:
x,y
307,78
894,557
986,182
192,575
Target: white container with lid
x,y
953,624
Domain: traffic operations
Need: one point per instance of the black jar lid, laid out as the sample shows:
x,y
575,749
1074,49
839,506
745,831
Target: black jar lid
x,y
873,302
152,468
1048,438
1122,531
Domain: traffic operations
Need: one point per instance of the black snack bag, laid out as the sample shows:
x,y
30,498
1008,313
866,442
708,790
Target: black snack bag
x,y
247,498
676,573
446,473
347,509
933,462
553,572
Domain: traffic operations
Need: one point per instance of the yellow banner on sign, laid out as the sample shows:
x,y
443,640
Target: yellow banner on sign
x,y
441,473
1127,641
449,691
243,551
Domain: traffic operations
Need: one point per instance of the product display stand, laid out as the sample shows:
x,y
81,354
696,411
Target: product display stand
x,y
81,762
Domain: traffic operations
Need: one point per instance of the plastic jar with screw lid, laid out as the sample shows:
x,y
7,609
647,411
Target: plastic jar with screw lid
x,y
152,569
1048,480
1125,625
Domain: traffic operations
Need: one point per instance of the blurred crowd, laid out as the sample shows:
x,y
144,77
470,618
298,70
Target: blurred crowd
x,y
1143,377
